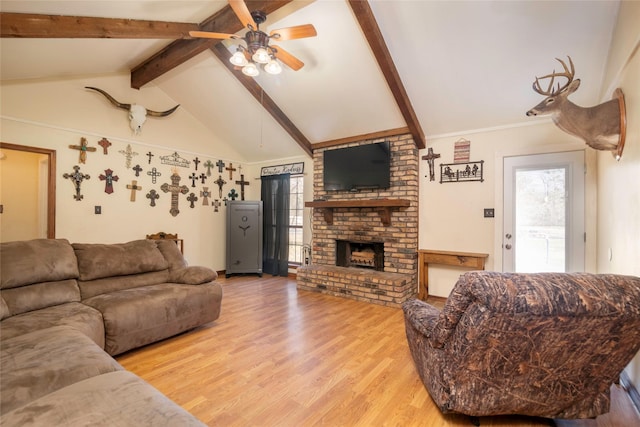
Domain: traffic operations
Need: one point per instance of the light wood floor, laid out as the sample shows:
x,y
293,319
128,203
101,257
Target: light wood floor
x,y
282,357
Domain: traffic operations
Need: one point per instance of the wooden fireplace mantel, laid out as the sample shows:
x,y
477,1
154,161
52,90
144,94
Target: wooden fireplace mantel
x,y
384,206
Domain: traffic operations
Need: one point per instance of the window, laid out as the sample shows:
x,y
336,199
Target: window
x,y
296,205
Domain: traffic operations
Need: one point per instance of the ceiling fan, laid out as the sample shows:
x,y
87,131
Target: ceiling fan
x,y
257,49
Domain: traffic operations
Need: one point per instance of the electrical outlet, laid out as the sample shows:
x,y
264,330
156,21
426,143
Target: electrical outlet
x,y
488,212
98,210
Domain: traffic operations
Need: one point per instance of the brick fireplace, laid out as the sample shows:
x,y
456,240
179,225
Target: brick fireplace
x,y
366,223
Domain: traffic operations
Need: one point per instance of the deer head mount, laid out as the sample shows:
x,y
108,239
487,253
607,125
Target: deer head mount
x,y
602,127
137,113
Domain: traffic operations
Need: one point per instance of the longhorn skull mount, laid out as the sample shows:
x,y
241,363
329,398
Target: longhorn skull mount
x,y
137,113
602,127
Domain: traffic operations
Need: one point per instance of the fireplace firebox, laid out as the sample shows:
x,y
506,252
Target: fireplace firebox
x,y
360,254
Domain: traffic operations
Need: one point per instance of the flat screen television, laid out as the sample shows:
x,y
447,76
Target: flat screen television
x,y
356,168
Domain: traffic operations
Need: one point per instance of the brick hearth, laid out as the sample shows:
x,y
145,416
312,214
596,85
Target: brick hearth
x,y
398,281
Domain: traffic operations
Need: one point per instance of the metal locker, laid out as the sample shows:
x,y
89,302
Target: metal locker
x,y
244,237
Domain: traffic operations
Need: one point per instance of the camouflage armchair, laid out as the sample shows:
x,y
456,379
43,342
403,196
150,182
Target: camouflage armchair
x,y
545,344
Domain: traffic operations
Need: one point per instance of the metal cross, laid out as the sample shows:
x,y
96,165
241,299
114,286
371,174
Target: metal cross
x,y
77,177
105,144
150,155
220,182
220,165
83,148
108,178
203,177
232,194
133,187
208,164
205,194
216,204
175,188
128,154
193,179
153,196
242,183
154,174
138,169
197,162
193,199
430,157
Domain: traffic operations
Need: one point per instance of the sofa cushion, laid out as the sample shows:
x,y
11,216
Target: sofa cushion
x,y
194,275
172,254
35,261
40,362
96,261
139,316
74,314
113,399
92,288
4,308
41,295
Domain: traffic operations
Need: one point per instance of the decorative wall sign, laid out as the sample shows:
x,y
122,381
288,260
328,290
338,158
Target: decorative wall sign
x,y
175,160
153,196
291,168
105,144
220,182
205,194
76,177
153,173
430,158
242,183
83,148
461,150
175,188
461,172
208,164
108,179
133,187
128,155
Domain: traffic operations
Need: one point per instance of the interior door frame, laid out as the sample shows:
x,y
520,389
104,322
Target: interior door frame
x,y
51,181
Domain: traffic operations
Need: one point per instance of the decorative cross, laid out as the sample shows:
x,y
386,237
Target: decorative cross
x,y
175,188
220,165
197,162
153,173
108,179
230,169
83,148
430,157
138,169
242,183
220,182
150,155
153,196
193,199
203,177
105,144
77,177
232,194
128,154
133,187
193,179
225,200
208,164
205,194
216,204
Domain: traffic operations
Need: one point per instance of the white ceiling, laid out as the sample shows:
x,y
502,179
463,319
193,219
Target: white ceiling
x,y
466,65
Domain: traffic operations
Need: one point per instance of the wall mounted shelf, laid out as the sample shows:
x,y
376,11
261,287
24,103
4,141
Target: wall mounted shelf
x,y
384,206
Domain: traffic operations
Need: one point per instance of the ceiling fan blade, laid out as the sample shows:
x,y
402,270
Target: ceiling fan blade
x,y
242,12
288,59
297,32
209,35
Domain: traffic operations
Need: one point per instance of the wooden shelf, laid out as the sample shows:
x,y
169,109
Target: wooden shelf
x,y
384,206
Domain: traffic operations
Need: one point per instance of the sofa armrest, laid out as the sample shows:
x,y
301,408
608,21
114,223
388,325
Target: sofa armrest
x,y
422,316
193,275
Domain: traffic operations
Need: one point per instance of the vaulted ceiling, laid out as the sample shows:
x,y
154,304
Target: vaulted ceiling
x,y
430,68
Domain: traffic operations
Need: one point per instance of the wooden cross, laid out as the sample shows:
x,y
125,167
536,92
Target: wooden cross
x,y
203,177
232,194
242,183
153,173
208,164
153,196
83,148
149,155
128,154
230,169
193,199
133,187
216,204
77,177
197,162
220,183
430,157
220,165
175,188
105,144
138,169
205,194
108,179
193,179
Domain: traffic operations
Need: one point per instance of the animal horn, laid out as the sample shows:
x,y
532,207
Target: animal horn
x,y
110,98
162,113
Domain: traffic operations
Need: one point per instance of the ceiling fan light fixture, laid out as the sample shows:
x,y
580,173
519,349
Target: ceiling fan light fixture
x,y
261,56
273,67
250,70
238,59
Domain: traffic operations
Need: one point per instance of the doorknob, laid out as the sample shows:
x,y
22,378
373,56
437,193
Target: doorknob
x,y
507,246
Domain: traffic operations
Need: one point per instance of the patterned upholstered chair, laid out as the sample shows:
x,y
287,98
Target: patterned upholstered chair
x,y
545,344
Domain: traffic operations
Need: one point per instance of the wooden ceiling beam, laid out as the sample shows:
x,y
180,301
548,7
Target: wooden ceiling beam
x,y
369,25
29,25
364,137
224,21
265,100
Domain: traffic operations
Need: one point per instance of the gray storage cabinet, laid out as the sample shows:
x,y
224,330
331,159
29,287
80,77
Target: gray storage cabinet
x,y
244,237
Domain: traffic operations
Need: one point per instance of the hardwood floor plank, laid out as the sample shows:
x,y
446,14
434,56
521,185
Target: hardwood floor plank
x,y
279,357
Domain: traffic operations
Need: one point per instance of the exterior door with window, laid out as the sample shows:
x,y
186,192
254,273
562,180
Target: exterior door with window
x,y
544,218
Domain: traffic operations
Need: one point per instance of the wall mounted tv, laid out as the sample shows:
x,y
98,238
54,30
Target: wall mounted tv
x,y
356,168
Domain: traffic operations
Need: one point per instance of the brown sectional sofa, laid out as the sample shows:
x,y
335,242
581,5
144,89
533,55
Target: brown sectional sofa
x,y
65,309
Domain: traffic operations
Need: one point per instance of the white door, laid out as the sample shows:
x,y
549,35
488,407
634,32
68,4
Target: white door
x,y
544,225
